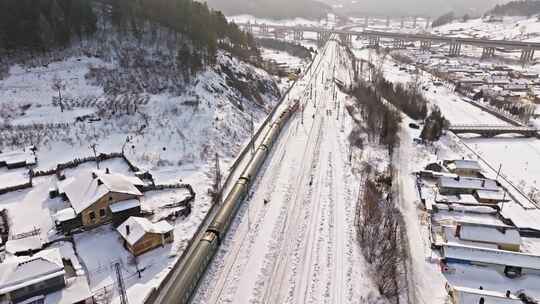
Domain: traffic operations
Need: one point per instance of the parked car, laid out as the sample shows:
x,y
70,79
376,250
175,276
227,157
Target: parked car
x,y
413,125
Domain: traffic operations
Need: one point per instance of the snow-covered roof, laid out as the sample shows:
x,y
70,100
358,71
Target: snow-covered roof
x,y
124,205
467,295
84,190
479,233
65,215
468,183
15,157
23,245
139,226
76,290
491,256
491,195
45,265
467,199
463,164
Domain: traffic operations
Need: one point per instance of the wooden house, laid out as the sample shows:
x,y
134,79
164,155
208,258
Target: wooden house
x,y
140,235
98,197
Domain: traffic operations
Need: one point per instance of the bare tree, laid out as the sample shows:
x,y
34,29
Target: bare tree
x,y
59,85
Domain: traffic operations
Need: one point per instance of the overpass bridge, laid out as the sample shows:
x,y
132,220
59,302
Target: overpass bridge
x,y
493,130
400,39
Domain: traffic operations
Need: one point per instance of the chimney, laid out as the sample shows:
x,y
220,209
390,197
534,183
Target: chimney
x,y
483,183
94,175
127,230
107,171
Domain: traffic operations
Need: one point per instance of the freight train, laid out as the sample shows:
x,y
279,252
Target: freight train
x,y
196,263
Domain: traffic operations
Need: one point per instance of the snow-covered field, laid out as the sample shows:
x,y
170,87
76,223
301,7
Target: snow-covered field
x,y
511,28
300,246
175,138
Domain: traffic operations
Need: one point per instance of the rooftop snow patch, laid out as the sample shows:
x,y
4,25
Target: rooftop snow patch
x,y
491,256
462,164
468,183
17,157
139,226
492,195
124,205
42,266
76,291
23,245
494,235
90,186
473,295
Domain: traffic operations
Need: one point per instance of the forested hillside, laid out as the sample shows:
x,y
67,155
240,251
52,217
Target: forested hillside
x,y
47,25
516,8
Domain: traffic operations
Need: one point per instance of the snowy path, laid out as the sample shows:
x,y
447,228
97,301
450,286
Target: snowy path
x,y
301,246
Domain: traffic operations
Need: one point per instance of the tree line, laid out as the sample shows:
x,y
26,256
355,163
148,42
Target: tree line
x,y
207,29
443,19
434,125
42,25
381,121
290,48
379,227
408,99
38,25
516,8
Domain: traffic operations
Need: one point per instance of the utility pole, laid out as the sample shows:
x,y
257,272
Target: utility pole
x,y
498,172
121,285
252,130
217,181
94,148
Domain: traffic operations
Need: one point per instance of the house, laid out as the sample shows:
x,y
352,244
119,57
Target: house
x,y
18,159
99,197
467,295
512,264
516,87
37,276
465,185
140,235
464,167
503,237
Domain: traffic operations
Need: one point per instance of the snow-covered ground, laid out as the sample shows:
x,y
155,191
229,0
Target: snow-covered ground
x,y
496,151
286,22
511,28
175,138
517,156
301,245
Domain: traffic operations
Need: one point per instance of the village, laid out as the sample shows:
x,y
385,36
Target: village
x,y
501,86
60,227
486,252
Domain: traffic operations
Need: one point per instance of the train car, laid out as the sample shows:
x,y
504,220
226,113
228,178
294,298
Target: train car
x,y
255,164
207,247
271,136
195,266
228,209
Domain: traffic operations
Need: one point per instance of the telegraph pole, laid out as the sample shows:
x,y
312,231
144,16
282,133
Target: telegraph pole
x,y
94,149
121,284
217,181
252,130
